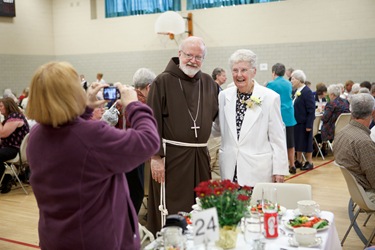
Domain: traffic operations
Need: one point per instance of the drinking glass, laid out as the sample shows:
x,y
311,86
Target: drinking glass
x,y
252,228
173,238
269,200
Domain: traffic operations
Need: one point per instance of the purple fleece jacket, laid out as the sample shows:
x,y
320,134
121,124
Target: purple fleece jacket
x,y
77,175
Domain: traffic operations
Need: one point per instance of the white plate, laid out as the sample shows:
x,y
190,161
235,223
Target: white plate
x,y
287,225
292,242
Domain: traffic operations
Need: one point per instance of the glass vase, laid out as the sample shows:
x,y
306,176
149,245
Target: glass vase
x,y
228,237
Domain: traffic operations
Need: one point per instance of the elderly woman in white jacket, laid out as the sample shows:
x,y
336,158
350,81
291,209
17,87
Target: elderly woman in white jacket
x,y
253,147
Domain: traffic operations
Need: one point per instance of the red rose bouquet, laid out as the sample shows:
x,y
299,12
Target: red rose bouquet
x,y
230,199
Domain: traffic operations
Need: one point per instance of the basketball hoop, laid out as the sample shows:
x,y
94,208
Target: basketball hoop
x,y
171,23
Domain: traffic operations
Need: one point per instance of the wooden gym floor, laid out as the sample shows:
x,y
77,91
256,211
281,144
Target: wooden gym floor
x,y
19,212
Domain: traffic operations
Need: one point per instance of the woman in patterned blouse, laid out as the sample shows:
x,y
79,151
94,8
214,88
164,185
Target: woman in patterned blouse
x,y
332,111
253,142
12,131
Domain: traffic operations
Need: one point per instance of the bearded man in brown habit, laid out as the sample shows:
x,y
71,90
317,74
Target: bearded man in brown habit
x,y
185,103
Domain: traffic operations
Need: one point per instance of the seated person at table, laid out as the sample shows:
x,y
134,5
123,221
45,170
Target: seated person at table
x,y
365,84
348,90
353,147
332,111
364,90
355,89
320,97
12,131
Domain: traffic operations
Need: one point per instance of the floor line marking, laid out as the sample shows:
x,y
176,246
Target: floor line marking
x,y
20,243
306,171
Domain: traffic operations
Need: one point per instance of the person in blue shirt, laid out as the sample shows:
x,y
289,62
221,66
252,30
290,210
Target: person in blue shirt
x,y
284,88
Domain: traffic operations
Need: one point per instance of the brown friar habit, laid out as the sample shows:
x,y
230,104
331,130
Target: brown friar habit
x,y
185,167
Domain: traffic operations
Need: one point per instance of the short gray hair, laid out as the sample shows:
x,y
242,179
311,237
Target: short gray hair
x,y
194,40
216,72
334,89
341,87
143,77
299,75
355,88
243,55
362,105
364,90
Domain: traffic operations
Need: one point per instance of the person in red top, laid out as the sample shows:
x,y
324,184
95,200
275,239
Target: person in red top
x,y
25,93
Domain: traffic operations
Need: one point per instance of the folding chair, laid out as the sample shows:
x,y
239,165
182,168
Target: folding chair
x,y
145,234
288,194
316,129
340,123
20,159
359,197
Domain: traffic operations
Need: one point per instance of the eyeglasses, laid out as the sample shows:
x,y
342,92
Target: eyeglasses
x,y
190,57
242,71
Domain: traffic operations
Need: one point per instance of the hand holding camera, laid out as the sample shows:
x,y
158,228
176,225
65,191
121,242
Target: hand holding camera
x,y
128,94
92,91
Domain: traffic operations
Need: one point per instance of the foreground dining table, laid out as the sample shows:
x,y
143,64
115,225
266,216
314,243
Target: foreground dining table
x,y
329,236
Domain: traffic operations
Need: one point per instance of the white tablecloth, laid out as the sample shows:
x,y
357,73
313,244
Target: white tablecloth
x,y
330,238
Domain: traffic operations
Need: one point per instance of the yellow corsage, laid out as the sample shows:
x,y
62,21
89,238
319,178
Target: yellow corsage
x,y
252,101
298,93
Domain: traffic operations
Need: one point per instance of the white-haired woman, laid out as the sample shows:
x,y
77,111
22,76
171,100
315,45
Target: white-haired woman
x,y
142,80
332,111
304,112
253,142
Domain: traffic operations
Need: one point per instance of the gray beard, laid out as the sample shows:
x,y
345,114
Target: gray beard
x,y
191,72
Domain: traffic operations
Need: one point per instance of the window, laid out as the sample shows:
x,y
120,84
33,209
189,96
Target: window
x,y
202,4
115,8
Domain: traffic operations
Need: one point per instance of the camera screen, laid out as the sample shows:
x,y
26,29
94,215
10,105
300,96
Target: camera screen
x,y
110,93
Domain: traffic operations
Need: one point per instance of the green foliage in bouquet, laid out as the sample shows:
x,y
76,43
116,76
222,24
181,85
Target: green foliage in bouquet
x,y
230,199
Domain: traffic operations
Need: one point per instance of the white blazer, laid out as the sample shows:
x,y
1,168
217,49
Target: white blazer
x,y
261,150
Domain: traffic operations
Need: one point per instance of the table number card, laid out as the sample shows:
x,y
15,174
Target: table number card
x,y
206,226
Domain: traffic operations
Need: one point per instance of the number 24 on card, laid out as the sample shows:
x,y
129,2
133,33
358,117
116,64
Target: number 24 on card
x,y
206,226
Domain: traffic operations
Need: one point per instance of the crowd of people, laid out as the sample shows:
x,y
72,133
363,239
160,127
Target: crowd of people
x,y
183,123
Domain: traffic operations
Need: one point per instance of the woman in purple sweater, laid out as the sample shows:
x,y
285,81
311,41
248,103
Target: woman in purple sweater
x,y
78,164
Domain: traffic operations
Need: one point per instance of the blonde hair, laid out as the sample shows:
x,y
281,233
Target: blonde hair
x,y
56,96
